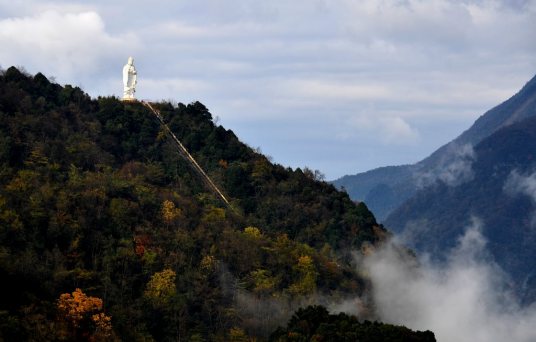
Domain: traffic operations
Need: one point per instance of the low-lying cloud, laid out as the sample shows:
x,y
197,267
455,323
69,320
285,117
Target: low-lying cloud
x,y
454,168
261,315
464,298
523,184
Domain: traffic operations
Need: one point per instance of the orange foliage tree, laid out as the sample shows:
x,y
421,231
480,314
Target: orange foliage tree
x,y
84,315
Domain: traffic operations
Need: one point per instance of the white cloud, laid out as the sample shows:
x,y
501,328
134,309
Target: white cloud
x,y
388,130
175,85
396,130
454,168
26,8
448,25
463,299
323,90
412,21
63,44
522,184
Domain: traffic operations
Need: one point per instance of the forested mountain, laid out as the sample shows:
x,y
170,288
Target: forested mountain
x,y
501,193
106,233
385,189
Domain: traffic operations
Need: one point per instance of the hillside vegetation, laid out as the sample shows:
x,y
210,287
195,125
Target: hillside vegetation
x,y
106,233
314,323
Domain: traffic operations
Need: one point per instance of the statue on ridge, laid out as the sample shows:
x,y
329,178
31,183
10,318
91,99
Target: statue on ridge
x,y
129,80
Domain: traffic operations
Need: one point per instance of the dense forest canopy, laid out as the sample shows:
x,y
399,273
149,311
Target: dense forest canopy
x,y
314,323
106,233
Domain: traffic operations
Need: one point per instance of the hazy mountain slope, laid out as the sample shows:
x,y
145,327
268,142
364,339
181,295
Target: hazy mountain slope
x,y
501,194
384,189
94,196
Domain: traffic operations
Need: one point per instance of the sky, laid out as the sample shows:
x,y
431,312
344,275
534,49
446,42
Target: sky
x,y
340,86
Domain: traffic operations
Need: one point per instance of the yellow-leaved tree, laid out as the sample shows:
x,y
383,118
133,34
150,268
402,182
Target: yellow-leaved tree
x,y
253,232
169,212
308,274
161,287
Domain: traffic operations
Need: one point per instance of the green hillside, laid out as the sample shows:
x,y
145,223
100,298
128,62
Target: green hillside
x,y
101,217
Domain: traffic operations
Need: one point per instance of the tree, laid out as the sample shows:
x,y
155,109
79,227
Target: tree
x,y
84,316
161,288
307,281
253,232
169,212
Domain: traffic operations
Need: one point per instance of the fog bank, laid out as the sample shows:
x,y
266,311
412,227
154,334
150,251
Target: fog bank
x,y
464,298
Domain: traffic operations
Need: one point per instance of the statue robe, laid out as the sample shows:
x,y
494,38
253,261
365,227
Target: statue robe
x,y
129,80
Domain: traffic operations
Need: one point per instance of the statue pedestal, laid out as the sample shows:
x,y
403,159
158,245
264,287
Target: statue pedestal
x,y
128,99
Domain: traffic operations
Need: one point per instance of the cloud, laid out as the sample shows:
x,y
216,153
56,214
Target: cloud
x,y
24,8
418,23
462,299
522,184
454,168
396,130
318,90
412,232
261,315
64,44
174,86
388,130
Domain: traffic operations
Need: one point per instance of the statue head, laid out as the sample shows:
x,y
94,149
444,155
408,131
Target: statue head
x,y
130,61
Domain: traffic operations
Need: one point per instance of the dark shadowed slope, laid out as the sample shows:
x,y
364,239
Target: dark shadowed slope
x,y
501,193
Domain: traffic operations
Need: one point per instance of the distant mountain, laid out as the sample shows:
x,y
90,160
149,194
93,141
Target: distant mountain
x,y
385,189
500,193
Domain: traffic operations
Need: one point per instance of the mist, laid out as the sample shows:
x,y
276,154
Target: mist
x,y
466,297
454,168
522,184
261,315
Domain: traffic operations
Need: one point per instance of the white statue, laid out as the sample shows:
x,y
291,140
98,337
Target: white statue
x,y
129,80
